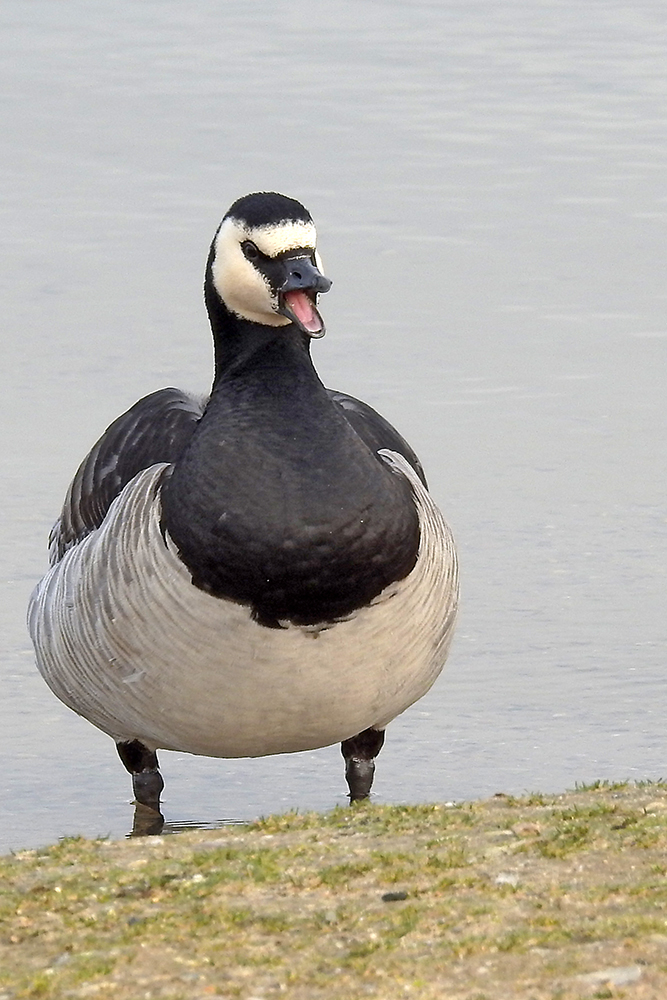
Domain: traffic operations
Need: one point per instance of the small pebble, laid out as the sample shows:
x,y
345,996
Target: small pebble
x,y
394,897
527,829
507,878
619,976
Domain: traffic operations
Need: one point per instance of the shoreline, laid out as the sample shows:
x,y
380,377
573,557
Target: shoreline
x,y
538,897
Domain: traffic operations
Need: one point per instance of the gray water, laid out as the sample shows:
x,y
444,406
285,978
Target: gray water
x,y
488,181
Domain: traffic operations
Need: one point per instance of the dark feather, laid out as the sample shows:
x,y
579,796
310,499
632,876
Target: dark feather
x,y
156,429
374,430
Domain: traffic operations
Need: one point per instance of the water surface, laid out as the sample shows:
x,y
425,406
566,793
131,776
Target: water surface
x,y
488,182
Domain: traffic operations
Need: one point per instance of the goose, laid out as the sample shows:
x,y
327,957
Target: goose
x,y
262,572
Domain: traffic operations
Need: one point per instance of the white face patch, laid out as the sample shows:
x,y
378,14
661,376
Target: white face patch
x,y
273,240
240,285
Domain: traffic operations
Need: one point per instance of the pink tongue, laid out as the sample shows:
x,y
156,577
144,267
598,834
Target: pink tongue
x,y
304,310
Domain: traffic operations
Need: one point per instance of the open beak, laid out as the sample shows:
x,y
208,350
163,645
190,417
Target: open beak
x,y
297,296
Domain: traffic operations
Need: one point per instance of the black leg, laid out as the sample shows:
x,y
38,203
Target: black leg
x,y
147,785
360,752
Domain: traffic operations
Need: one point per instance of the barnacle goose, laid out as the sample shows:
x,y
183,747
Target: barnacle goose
x,y
260,573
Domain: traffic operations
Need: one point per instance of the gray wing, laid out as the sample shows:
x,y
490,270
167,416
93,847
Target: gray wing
x,y
156,429
374,430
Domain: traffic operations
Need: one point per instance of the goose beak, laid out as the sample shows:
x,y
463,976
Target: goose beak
x,y
297,296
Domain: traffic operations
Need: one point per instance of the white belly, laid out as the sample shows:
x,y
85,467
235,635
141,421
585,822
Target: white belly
x,y
125,640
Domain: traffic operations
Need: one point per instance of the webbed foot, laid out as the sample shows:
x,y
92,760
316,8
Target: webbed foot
x,y
360,752
147,784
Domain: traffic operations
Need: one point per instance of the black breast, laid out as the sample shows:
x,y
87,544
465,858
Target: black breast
x,y
277,502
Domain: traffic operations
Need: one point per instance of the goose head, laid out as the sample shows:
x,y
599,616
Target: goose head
x,y
264,267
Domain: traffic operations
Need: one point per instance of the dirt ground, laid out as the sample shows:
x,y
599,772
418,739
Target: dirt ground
x,y
537,898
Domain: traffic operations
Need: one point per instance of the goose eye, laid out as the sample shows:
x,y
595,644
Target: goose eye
x,y
250,251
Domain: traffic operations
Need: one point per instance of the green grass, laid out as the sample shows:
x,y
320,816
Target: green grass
x,y
293,905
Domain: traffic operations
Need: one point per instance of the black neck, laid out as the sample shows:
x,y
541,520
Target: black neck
x,y
237,341
277,503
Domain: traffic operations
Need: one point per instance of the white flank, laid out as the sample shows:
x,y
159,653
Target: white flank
x,y
124,638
